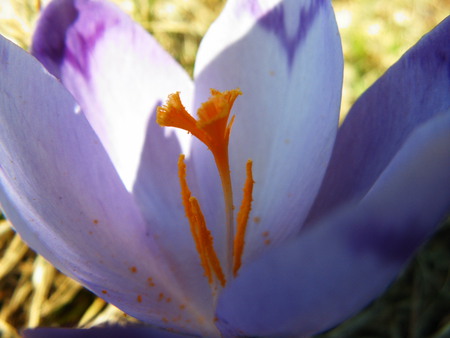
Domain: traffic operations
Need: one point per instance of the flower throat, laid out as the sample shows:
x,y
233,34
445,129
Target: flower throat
x,y
213,129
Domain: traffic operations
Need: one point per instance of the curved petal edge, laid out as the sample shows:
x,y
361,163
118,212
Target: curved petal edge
x,y
334,269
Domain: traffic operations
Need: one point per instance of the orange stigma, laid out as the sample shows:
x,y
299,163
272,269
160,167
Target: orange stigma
x,y
213,128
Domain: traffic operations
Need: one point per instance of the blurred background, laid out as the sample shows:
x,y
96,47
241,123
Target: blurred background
x,y
374,35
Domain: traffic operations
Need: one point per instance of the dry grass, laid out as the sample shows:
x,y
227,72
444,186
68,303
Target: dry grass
x,y
374,34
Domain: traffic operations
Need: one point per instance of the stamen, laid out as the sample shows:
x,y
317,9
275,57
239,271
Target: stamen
x,y
206,243
242,219
201,235
185,192
213,128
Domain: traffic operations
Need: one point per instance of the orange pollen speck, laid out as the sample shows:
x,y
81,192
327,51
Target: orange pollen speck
x,y
213,128
139,298
133,269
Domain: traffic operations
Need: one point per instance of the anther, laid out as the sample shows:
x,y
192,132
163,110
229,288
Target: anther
x,y
201,235
242,219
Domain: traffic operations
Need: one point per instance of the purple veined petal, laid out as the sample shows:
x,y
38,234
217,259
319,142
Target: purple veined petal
x,y
412,91
335,268
63,195
117,72
286,58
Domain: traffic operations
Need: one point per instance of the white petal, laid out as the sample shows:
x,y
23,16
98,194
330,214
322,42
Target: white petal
x,y
286,58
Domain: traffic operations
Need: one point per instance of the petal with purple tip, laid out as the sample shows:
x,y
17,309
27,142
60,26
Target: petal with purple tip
x,y
286,58
117,72
335,268
61,191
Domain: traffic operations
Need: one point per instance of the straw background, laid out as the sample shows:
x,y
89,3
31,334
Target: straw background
x,y
374,35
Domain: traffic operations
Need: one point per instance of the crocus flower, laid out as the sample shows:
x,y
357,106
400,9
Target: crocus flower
x,y
328,216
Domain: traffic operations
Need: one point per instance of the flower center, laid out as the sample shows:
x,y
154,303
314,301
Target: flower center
x,y
213,129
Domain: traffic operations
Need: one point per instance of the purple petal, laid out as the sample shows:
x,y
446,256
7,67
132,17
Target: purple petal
x,y
412,91
63,195
275,20
117,72
119,92
286,58
103,332
335,268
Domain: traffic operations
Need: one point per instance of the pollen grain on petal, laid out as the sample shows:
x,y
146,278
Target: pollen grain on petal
x,y
150,282
266,238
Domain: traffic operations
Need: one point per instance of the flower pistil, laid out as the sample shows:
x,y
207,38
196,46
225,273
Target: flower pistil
x,y
213,129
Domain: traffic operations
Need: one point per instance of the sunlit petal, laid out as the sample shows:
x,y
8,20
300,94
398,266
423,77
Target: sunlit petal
x,y
61,191
335,268
117,72
286,58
